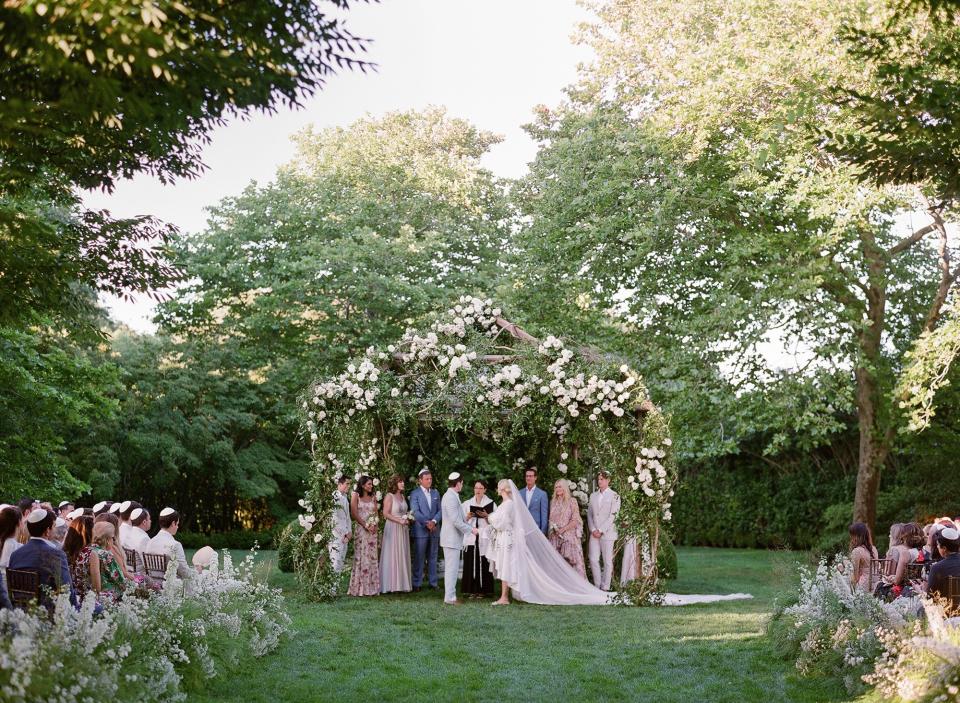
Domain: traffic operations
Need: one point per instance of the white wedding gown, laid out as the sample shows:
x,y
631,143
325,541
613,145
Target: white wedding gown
x,y
534,570
536,573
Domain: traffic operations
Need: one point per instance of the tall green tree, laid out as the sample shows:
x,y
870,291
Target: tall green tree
x,y
680,195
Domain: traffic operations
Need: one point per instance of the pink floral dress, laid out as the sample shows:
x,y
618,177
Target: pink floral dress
x,y
566,533
365,577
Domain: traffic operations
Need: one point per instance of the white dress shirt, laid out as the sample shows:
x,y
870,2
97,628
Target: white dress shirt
x,y
426,492
165,543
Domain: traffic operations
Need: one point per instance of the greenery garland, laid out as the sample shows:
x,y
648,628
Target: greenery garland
x,y
474,374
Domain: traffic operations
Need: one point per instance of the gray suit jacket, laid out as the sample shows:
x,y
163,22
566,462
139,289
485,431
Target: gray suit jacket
x,y
452,526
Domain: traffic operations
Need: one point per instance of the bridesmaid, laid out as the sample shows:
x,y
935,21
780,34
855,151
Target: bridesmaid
x,y
395,554
477,579
566,527
365,578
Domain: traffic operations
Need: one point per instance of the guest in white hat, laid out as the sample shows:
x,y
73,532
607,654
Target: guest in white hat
x,y
136,538
102,507
42,555
164,542
452,532
126,508
948,543
65,508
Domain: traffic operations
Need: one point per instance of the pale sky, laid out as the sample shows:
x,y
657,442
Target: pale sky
x,y
490,62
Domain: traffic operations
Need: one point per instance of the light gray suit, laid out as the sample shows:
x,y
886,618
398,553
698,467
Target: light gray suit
x,y
341,527
602,515
452,529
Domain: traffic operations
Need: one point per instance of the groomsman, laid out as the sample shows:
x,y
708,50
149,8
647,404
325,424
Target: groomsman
x,y
602,523
425,506
454,527
342,529
535,499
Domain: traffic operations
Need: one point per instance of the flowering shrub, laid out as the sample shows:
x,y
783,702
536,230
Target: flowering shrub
x,y
837,630
471,371
140,649
924,667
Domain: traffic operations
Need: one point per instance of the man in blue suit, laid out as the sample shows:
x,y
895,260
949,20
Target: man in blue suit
x,y
535,499
44,557
425,506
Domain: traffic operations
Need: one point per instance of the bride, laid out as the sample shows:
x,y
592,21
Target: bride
x,y
526,562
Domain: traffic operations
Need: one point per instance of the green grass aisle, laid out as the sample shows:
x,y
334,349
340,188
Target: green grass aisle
x,y
413,648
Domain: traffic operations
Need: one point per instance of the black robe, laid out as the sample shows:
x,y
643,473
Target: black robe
x,y
477,578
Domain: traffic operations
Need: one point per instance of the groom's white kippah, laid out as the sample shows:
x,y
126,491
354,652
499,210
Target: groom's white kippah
x,y
453,477
36,515
167,511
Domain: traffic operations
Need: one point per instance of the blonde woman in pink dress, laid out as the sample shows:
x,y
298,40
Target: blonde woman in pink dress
x,y
365,577
566,526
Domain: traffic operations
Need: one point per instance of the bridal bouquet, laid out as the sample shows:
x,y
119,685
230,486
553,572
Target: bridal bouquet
x,y
371,521
500,538
409,517
554,527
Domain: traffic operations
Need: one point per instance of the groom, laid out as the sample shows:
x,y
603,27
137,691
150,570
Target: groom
x,y
452,529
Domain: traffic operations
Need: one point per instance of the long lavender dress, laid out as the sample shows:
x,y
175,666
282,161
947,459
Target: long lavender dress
x,y
365,577
395,553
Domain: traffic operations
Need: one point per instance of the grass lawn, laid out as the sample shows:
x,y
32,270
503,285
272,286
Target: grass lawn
x,y
414,648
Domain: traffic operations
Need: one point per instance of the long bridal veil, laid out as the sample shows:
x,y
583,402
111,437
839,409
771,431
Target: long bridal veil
x,y
542,575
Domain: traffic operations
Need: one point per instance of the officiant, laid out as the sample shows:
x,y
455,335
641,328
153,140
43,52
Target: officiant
x,y
477,579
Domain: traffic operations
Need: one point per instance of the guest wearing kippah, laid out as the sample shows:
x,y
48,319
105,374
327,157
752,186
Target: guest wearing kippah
x,y
164,542
136,538
948,543
44,557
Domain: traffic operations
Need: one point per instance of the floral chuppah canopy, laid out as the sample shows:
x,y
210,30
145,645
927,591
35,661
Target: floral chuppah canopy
x,y
474,372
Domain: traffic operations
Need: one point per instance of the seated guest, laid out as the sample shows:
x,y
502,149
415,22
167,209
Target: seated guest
x,y
44,557
907,549
126,508
861,552
566,527
64,509
164,543
26,506
114,520
102,507
137,538
948,542
77,545
9,529
106,577
59,530
4,598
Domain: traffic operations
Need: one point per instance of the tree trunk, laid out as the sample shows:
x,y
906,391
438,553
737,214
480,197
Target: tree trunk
x,y
874,448
874,425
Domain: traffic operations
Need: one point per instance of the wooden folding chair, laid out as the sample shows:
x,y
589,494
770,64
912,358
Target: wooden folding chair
x,y
156,566
914,571
953,594
878,569
131,556
23,588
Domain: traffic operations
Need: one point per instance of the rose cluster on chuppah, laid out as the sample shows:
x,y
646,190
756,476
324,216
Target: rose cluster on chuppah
x,y
472,371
